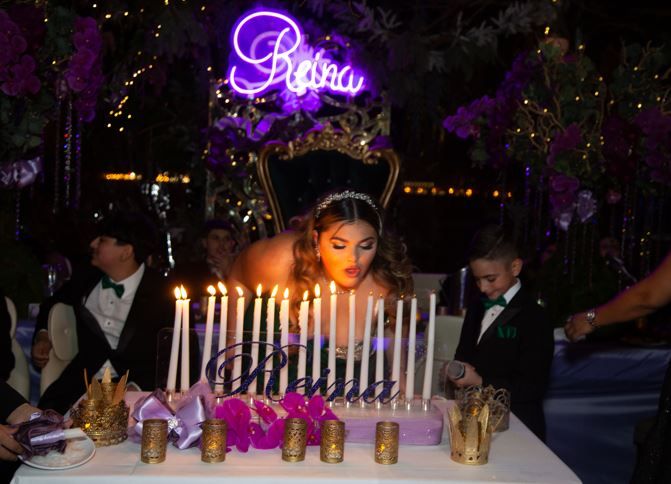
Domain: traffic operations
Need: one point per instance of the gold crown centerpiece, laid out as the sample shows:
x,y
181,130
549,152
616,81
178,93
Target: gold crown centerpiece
x,y
498,401
103,414
470,432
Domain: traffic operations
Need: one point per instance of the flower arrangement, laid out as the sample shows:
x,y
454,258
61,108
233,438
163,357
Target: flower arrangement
x,y
46,55
587,138
244,430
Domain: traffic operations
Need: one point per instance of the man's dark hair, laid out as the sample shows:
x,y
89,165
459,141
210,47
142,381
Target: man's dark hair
x,y
217,224
132,228
493,243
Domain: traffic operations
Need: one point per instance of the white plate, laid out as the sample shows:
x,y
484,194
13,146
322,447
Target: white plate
x,y
77,452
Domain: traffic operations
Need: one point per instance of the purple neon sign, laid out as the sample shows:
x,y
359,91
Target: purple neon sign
x,y
269,53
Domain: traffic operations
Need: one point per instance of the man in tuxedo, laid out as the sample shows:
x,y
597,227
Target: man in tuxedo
x,y
120,306
506,339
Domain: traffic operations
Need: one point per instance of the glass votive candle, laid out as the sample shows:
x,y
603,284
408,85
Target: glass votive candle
x,y
295,440
154,441
332,444
213,440
386,443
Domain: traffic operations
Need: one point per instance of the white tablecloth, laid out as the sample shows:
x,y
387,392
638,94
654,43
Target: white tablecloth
x,y
516,456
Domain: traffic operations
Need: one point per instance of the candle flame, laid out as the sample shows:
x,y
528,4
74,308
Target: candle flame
x,y
305,296
274,293
182,291
318,290
211,290
286,293
259,290
333,287
222,288
178,293
240,293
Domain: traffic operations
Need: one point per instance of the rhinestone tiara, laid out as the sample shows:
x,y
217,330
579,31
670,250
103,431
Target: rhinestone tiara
x,y
336,197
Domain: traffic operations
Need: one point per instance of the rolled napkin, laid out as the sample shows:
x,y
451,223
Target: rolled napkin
x,y
43,433
183,425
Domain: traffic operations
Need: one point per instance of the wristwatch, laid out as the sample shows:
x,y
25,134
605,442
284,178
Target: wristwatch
x,y
590,317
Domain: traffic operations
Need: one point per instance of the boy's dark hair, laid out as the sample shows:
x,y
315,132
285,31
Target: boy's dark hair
x,y
217,224
132,228
493,243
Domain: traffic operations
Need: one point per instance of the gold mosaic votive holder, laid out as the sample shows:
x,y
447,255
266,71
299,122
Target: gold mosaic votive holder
x,y
295,440
154,441
213,441
332,444
386,443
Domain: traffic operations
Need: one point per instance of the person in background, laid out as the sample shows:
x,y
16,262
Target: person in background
x,y
220,249
641,299
120,306
506,340
6,355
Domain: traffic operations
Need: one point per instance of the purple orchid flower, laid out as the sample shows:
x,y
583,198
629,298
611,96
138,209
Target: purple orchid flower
x,y
238,417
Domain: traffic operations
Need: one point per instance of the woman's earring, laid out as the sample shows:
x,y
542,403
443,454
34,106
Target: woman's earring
x,y
318,254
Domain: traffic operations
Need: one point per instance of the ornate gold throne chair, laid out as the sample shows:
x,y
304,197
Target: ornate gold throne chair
x,y
293,175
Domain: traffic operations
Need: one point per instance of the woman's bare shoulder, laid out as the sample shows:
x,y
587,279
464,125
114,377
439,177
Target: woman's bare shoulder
x,y
267,260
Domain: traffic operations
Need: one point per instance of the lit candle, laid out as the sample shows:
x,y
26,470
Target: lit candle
x,y
379,346
284,339
223,333
270,331
317,341
349,368
174,348
239,322
396,361
330,380
431,334
256,332
186,305
410,367
209,329
303,324
365,352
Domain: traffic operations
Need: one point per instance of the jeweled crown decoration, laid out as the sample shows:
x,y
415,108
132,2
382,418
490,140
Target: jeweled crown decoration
x,y
103,414
470,432
498,401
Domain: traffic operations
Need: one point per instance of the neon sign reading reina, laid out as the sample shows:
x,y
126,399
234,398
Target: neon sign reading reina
x,y
268,51
377,391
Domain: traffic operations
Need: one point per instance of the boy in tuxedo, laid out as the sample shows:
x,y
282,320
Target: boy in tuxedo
x,y
506,339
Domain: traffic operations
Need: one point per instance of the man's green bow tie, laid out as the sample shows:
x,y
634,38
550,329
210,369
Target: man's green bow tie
x,y
107,284
490,303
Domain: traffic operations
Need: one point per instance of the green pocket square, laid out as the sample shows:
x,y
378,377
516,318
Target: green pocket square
x,y
506,332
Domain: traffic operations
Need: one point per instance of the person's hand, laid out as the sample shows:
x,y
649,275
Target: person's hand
x,y
223,261
471,377
22,413
40,351
577,327
9,448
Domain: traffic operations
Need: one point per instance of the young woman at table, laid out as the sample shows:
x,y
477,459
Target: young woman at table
x,y
342,239
643,298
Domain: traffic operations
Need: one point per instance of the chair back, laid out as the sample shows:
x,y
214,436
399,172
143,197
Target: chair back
x,y
448,331
63,336
294,175
19,378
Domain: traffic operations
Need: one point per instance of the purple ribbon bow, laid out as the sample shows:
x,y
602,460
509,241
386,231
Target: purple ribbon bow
x,y
41,434
183,425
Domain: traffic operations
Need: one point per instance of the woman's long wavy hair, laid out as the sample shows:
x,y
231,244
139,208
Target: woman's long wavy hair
x,y
391,266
